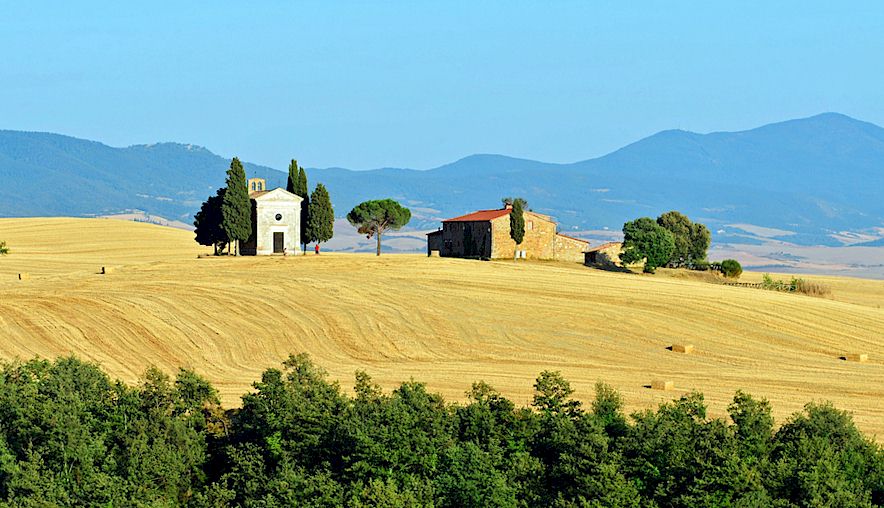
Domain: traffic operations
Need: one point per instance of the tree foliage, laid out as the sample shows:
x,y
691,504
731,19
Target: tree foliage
x,y
731,268
70,436
373,218
236,207
691,239
208,223
321,215
517,221
644,239
307,234
297,185
292,183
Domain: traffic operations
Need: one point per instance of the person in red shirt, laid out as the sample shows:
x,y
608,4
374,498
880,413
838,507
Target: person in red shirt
x,y
316,248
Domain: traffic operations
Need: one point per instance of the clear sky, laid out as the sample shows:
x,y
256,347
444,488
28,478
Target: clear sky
x,y
418,84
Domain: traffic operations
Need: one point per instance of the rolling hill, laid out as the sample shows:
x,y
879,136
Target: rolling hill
x,y
809,178
448,322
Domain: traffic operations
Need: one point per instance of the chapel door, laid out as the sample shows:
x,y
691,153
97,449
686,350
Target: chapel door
x,y
278,242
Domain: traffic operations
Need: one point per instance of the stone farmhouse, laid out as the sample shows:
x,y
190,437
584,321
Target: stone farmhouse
x,y
485,234
276,221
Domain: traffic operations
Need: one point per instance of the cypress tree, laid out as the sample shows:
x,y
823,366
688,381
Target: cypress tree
x,y
292,183
321,221
302,190
236,208
517,223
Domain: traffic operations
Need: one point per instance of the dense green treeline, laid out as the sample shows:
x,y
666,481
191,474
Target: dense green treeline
x,y
70,436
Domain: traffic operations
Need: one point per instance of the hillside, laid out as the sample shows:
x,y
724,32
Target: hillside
x,y
814,180
448,322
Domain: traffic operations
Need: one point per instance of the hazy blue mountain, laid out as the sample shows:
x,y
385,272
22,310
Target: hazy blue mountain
x,y
45,174
810,176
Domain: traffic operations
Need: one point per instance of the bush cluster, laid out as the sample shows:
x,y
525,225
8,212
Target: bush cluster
x,y
730,268
69,436
796,285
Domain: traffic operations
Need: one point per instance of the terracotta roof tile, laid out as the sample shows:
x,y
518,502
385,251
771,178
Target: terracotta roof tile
x,y
481,215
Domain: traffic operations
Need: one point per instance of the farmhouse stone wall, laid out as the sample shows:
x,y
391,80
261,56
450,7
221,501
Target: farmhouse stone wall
x,y
569,249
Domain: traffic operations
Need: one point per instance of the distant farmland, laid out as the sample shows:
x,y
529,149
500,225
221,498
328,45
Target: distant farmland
x,y
444,321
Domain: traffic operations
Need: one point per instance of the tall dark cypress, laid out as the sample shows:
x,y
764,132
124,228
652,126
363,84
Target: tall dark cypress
x,y
517,223
322,215
301,189
292,183
236,209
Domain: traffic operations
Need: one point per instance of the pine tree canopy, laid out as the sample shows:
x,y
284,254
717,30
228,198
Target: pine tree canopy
x,y
372,218
236,208
321,220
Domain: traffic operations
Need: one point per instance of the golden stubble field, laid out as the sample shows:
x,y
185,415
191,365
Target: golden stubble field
x,y
447,322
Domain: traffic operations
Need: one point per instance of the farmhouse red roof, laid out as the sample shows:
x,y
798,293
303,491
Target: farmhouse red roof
x,y
480,216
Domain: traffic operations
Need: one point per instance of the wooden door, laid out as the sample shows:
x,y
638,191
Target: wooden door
x,y
278,242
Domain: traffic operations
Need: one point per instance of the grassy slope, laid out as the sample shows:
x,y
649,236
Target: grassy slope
x,y
444,321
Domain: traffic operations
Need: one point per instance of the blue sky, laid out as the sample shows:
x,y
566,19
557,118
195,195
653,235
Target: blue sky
x,y
419,84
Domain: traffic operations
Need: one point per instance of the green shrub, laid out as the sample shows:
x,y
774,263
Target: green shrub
x,y
731,268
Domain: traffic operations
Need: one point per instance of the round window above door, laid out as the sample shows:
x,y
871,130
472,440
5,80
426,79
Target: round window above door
x,y
279,216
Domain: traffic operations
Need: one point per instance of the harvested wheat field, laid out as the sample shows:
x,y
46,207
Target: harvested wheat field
x,y
444,321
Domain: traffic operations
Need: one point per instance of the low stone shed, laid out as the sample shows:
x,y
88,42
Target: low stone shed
x,y
606,255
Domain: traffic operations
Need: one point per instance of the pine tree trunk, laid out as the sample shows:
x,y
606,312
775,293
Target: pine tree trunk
x,y
379,243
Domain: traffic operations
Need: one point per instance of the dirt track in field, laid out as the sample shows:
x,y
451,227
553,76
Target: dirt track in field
x,y
443,321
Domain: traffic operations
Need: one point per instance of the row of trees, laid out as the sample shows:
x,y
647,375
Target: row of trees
x,y
70,436
672,240
226,217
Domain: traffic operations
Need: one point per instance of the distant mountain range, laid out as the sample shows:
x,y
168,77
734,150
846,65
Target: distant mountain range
x,y
812,181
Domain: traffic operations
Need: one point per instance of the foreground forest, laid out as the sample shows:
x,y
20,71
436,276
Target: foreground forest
x,y
72,436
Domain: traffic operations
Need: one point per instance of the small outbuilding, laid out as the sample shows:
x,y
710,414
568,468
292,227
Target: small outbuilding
x,y
606,255
276,221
